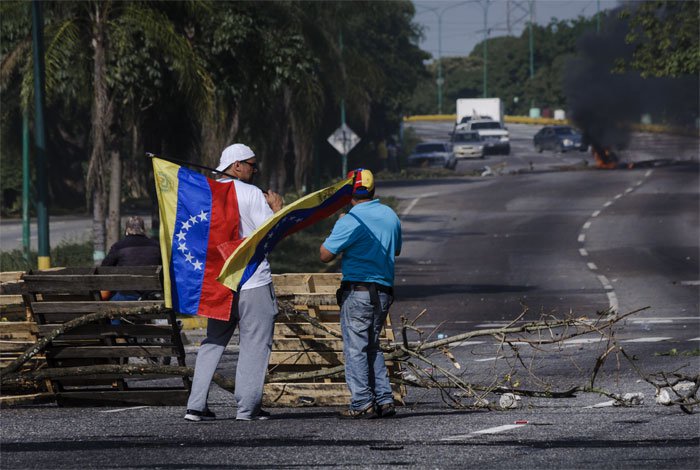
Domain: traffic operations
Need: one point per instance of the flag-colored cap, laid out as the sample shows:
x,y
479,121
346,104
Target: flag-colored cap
x,y
363,181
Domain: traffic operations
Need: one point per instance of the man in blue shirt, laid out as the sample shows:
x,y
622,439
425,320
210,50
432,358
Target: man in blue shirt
x,y
369,237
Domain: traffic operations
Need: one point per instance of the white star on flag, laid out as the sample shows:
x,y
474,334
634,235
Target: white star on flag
x,y
202,216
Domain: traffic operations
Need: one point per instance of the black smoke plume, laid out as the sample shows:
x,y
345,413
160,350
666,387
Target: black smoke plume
x,y
603,104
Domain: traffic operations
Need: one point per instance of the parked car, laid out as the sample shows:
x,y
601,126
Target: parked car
x,y
467,145
559,139
434,154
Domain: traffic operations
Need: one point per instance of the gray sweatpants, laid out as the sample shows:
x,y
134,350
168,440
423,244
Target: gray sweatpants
x,y
255,316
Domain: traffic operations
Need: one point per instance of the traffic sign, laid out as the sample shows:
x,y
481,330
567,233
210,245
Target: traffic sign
x,y
343,139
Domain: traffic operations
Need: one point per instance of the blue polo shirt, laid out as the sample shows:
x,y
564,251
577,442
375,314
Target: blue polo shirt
x,y
369,236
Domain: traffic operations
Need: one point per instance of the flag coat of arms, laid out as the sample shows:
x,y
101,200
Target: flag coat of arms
x,y
197,214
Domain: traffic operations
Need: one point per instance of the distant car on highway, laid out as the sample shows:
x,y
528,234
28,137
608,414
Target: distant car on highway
x,y
467,145
495,136
558,138
433,154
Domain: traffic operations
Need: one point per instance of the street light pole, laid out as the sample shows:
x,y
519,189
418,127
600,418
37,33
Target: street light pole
x,y
440,79
485,6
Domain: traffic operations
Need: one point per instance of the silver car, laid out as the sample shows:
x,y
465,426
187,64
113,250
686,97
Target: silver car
x,y
467,145
433,154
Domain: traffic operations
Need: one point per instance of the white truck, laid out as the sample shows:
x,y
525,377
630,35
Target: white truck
x,y
484,116
479,108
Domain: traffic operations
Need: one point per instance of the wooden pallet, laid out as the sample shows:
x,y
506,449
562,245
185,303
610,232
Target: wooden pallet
x,y
17,330
57,296
298,346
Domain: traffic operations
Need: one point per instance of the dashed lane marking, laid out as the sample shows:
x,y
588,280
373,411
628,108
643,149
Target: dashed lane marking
x,y
604,280
583,251
592,266
587,225
695,339
629,190
612,301
649,339
607,204
123,409
486,359
595,214
581,237
690,283
618,196
495,430
466,343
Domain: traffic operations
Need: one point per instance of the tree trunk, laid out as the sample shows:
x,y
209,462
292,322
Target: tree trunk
x,y
98,228
101,121
115,185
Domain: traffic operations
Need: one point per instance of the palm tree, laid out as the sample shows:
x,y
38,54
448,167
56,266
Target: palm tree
x,y
117,34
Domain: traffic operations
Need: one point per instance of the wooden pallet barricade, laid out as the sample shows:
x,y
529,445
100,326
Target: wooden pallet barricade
x,y
57,296
17,329
299,346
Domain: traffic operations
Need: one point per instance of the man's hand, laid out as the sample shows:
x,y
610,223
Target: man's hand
x,y
274,200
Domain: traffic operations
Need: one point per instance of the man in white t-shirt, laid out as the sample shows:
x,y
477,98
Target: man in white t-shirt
x,y
254,311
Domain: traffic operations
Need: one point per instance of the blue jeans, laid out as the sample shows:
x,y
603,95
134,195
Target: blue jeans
x,y
365,371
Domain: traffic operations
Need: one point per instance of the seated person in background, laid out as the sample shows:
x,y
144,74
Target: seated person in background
x,y
135,249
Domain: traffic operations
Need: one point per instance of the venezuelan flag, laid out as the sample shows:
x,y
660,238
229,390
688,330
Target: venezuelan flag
x,y
197,214
244,258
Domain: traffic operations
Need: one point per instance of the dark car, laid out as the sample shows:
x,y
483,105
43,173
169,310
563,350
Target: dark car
x,y
559,139
433,154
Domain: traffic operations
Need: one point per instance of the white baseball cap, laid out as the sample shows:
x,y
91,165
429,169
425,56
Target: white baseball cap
x,y
234,153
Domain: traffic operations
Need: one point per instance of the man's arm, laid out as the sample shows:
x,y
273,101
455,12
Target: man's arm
x,y
326,256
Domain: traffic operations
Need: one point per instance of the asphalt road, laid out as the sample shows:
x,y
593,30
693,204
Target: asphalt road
x,y
546,232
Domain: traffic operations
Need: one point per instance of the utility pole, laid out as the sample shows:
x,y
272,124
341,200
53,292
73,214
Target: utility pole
x,y
485,6
344,156
440,79
40,136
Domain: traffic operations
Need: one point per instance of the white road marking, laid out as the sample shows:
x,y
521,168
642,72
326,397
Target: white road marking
x,y
654,321
497,429
650,339
638,183
595,214
410,206
602,404
583,251
604,280
608,204
612,300
648,173
492,325
583,340
629,190
123,409
581,237
592,266
617,196
695,339
690,283
486,359
467,343
587,225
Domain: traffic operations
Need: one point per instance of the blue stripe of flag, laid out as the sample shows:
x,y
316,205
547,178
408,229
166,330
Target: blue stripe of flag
x,y
190,240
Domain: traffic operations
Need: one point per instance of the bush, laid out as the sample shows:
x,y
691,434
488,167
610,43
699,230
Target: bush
x,y
69,254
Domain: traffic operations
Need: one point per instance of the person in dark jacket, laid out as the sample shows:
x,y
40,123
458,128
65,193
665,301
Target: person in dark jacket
x,y
135,249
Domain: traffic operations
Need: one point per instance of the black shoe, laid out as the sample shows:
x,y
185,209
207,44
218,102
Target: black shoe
x,y
194,415
386,411
367,413
263,414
